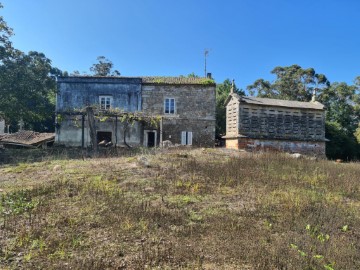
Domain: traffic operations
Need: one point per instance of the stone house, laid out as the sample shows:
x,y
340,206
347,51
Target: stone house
x,y
264,123
184,107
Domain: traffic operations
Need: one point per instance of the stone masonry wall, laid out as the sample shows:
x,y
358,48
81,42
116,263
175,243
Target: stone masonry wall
x,y
303,147
202,131
194,111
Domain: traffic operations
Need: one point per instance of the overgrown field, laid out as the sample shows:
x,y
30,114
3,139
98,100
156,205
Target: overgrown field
x,y
180,209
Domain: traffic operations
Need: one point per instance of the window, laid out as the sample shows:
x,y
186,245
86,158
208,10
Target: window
x,y
170,105
105,102
186,137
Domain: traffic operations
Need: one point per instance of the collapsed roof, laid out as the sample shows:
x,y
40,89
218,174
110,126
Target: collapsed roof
x,y
27,138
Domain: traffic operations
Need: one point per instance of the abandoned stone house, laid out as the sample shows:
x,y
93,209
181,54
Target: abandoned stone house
x,y
185,107
264,123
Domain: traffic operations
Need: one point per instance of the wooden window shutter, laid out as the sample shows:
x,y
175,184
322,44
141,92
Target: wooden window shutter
x,y
183,137
189,137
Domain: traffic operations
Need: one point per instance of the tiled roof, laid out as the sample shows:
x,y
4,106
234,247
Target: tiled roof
x,y
26,137
280,102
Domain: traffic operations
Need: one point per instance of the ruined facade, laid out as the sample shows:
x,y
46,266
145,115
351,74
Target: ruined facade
x,y
263,123
184,107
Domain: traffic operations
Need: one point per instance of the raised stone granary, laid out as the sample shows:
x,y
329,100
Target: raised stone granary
x,y
185,107
282,125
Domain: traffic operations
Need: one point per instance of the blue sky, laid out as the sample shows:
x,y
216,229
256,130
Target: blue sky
x,y
246,38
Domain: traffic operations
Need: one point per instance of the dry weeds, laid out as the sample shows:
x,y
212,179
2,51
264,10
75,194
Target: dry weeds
x,y
184,209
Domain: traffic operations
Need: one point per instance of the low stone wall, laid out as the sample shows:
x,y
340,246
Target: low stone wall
x,y
313,148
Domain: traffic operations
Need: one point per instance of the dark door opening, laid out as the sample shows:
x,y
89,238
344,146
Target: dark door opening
x,y
151,139
104,138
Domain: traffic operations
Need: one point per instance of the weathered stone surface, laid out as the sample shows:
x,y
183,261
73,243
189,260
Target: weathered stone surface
x,y
78,92
194,110
259,124
291,146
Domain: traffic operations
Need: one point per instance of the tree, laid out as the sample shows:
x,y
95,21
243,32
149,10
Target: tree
x,y
5,33
193,75
104,67
28,90
340,101
340,145
222,92
291,83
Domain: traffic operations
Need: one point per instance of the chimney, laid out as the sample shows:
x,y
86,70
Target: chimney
x,y
208,75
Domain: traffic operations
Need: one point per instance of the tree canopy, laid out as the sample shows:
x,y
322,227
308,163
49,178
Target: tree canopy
x,y
27,89
291,83
104,67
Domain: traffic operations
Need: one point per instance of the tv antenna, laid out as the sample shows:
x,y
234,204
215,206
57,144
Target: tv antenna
x,y
206,52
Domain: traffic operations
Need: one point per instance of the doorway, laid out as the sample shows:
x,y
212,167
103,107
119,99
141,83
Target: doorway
x,y
150,137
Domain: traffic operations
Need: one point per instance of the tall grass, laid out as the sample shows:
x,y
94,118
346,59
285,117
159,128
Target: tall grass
x,y
198,209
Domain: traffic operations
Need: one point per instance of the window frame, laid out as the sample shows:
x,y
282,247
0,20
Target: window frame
x,y
167,106
106,98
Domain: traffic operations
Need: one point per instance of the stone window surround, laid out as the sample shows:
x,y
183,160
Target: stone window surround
x,y
105,105
167,111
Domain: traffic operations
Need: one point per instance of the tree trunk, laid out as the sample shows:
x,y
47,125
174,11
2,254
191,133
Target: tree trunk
x,y
126,126
91,120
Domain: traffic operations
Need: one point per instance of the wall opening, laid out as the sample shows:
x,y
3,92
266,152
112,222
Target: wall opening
x,y
150,138
104,138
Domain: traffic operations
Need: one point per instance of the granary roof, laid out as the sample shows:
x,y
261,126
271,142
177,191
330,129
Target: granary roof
x,y
144,79
278,102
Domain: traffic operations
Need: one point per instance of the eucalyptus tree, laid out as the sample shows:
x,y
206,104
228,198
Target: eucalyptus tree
x,y
104,67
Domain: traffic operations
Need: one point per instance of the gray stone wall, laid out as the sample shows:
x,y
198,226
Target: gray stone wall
x,y
310,148
203,131
191,101
281,123
79,92
194,111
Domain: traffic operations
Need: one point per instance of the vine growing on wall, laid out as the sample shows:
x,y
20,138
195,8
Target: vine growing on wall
x,y
128,119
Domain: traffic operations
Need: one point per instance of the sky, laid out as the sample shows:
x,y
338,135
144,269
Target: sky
x,y
246,39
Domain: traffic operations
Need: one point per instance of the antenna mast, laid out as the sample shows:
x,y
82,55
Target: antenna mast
x,y
206,52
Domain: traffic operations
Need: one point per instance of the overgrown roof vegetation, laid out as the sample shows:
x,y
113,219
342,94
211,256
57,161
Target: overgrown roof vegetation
x,y
179,209
177,80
